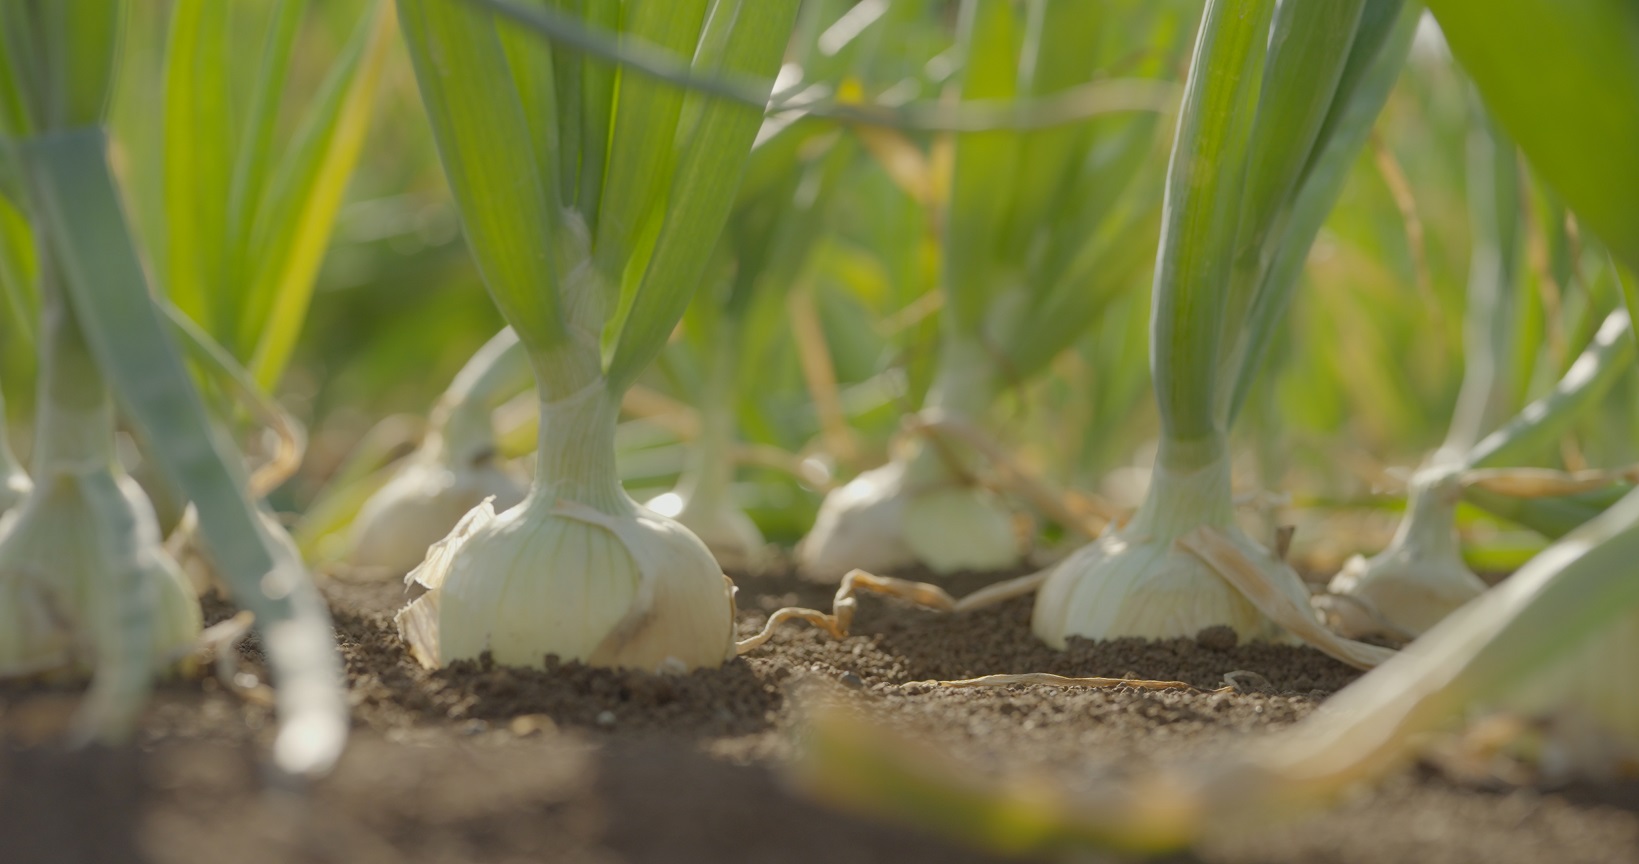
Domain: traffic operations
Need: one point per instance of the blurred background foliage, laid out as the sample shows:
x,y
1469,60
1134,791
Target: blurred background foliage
x,y
1362,378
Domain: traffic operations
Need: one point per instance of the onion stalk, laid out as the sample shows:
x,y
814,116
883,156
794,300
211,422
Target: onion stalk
x,y
14,481
1277,104
592,265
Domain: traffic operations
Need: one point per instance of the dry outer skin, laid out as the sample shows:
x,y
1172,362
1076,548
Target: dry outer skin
x,y
483,764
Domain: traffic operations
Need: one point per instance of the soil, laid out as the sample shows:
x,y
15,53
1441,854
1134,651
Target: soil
x,y
478,763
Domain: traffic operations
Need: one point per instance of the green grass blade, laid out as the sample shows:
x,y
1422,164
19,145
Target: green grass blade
x,y
1056,57
80,213
1538,426
1494,287
17,272
983,176
644,139
1381,24
532,71
566,75
76,77
483,141
198,160
1310,44
1112,259
1562,78
1551,517
214,359
1198,224
1309,47
254,165
597,100
1629,287
1360,98
293,229
16,118
703,190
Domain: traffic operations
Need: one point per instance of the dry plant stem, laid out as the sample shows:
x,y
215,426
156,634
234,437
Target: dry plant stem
x,y
911,314
1226,559
1388,167
820,375
1549,291
774,458
1047,679
676,417
910,170
291,439
1545,482
921,593
990,595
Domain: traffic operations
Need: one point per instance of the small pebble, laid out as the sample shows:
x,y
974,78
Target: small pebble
x,y
606,718
1218,637
851,680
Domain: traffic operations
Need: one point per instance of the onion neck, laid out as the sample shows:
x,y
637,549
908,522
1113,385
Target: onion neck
x,y
1189,488
963,389
1430,523
575,459
74,425
708,472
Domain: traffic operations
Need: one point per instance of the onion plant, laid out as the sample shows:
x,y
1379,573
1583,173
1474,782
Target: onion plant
x,y
86,585
591,202
1421,576
1039,232
1277,104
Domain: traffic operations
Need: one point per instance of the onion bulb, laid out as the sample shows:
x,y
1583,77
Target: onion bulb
x,y
578,570
1418,580
1135,581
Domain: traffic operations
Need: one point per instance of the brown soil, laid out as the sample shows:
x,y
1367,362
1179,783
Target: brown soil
x,y
485,764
